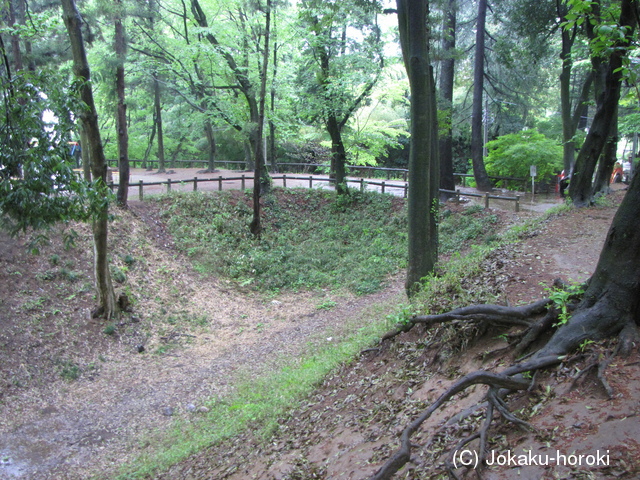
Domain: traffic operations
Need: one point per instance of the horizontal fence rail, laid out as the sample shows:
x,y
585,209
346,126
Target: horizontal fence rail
x,y
385,186
387,172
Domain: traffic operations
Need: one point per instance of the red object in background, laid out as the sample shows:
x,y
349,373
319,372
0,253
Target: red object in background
x,y
618,174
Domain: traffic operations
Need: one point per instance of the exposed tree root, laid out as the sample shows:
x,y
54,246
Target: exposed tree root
x,y
581,327
488,314
507,379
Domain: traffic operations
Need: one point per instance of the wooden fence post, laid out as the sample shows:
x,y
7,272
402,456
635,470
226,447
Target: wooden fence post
x,y
382,187
140,189
517,203
486,200
242,183
284,180
168,185
362,184
195,184
220,183
310,181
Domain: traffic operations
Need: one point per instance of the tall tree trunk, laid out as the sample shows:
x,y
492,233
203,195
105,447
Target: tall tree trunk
x,y
477,143
607,160
152,135
89,119
611,302
85,152
272,125
568,131
15,39
447,76
571,121
121,114
211,150
580,187
158,119
256,223
338,154
423,158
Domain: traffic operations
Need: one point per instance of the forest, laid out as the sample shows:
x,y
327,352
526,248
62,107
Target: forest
x,y
497,91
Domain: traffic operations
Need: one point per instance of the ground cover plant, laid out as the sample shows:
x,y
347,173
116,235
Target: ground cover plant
x,y
311,238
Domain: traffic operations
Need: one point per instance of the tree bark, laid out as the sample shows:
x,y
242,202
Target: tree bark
x,y
570,120
607,160
211,142
580,188
447,76
423,158
158,118
612,299
338,154
477,143
89,119
121,112
256,223
15,39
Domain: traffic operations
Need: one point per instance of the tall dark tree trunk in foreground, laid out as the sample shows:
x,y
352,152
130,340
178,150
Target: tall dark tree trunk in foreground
x,y
581,189
611,303
477,139
121,113
447,76
89,119
423,158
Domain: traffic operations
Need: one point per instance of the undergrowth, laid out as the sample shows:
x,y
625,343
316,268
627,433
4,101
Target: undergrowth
x,y
311,239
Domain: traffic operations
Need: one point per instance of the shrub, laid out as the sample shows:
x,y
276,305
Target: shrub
x,y
512,155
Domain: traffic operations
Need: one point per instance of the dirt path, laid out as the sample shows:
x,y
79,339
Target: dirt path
x,y
60,429
57,428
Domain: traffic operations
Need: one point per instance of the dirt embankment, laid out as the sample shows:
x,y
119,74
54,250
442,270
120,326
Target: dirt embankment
x,y
76,401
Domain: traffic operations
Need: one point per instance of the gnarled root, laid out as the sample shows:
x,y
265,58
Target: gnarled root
x,y
507,380
489,314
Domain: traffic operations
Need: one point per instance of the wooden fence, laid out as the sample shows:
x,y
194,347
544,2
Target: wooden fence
x,y
355,170
385,186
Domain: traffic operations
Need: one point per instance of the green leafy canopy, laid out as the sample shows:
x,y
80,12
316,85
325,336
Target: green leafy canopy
x,y
512,155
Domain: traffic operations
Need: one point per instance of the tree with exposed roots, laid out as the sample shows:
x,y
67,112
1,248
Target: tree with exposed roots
x,y
609,307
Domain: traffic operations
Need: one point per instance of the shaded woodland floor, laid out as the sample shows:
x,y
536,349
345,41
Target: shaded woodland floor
x,y
77,402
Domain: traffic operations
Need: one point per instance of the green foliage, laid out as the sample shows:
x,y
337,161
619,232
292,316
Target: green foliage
x,y
561,298
512,155
69,370
37,184
373,140
110,329
457,230
311,239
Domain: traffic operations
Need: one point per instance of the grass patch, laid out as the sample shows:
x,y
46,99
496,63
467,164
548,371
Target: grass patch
x,y
474,224
310,239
